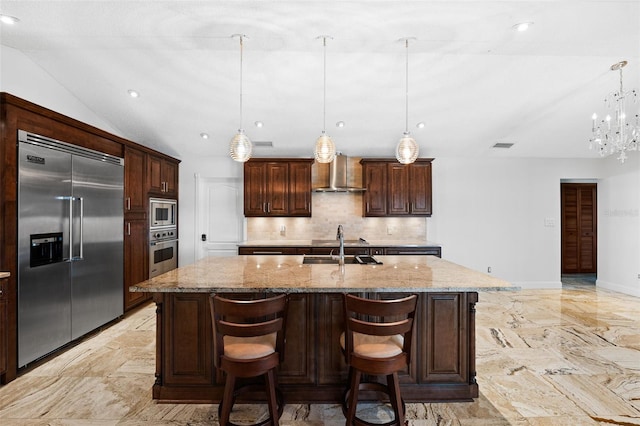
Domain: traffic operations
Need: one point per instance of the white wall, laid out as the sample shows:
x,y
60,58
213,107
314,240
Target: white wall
x,y
619,226
21,77
487,212
503,213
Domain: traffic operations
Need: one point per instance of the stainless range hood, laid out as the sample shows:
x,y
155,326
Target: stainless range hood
x,y
338,177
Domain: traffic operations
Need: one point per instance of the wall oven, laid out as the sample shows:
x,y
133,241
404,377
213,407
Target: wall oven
x,y
162,213
163,251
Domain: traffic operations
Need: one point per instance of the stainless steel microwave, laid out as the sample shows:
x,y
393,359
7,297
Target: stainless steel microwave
x,y
162,213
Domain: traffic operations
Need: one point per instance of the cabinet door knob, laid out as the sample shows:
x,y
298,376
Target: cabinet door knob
x,y
128,228
128,203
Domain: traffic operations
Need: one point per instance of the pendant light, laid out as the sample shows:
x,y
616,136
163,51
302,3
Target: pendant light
x,y
325,150
407,149
240,147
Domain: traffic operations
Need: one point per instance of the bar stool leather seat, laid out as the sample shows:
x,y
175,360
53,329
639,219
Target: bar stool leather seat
x,y
377,341
248,340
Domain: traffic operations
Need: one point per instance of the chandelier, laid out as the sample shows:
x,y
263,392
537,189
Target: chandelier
x,y
615,134
240,146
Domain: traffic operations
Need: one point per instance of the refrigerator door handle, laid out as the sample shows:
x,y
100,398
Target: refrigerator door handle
x,y
81,229
70,228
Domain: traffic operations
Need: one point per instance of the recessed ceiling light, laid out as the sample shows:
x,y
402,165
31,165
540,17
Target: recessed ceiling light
x,y
10,20
420,125
259,124
522,26
204,135
340,124
133,93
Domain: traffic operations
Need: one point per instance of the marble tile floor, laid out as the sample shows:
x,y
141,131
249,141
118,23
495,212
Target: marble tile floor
x,y
544,357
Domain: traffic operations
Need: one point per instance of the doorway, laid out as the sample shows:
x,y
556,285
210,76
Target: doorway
x,y
219,216
579,228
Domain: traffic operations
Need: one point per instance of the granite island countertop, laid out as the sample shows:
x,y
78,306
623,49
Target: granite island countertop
x,y
4,274
287,273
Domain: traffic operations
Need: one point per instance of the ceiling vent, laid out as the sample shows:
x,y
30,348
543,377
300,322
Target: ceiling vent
x,y
263,144
504,145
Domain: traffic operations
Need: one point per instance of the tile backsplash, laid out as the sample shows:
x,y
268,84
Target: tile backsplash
x,y
330,210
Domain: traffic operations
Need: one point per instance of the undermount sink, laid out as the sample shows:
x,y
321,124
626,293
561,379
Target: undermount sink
x,y
337,243
326,260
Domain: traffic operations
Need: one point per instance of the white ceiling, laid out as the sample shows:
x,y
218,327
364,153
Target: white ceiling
x,y
474,81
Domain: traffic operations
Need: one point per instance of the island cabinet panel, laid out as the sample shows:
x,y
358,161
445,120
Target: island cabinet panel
x,y
3,326
298,366
187,340
332,368
448,338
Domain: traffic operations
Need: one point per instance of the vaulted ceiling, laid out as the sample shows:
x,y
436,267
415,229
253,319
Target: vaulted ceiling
x,y
473,80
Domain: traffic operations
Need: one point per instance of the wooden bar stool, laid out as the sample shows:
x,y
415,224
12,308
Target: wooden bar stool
x,y
248,338
377,341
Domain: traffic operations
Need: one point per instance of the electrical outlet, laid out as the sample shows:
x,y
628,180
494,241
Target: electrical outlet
x,y
489,269
389,230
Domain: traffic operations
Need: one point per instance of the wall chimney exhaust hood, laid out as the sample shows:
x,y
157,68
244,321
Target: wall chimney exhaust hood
x,y
338,177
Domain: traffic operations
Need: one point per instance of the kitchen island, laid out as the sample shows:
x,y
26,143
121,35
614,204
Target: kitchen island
x,y
443,367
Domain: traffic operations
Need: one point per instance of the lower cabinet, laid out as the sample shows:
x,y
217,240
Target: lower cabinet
x,y
136,260
314,370
3,326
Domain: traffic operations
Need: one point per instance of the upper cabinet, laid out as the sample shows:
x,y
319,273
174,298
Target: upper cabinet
x,y
277,187
135,186
162,177
395,189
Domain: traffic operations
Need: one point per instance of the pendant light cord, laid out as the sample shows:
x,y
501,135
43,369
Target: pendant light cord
x,y
406,124
324,95
241,46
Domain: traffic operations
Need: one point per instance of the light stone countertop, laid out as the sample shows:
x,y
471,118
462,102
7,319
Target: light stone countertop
x,y
4,274
286,273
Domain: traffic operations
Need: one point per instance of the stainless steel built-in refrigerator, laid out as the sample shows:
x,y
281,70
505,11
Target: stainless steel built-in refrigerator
x,y
70,243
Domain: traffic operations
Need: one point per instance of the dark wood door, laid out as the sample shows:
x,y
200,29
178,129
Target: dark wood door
x,y
300,189
136,261
3,326
254,189
420,188
399,203
375,180
579,228
135,190
277,181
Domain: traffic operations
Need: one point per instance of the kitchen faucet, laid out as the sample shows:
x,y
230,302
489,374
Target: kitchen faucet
x,y
340,237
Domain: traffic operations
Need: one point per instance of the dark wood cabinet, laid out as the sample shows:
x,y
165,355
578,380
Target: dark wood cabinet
x,y
395,189
3,326
136,260
277,187
135,186
162,177
375,197
443,358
